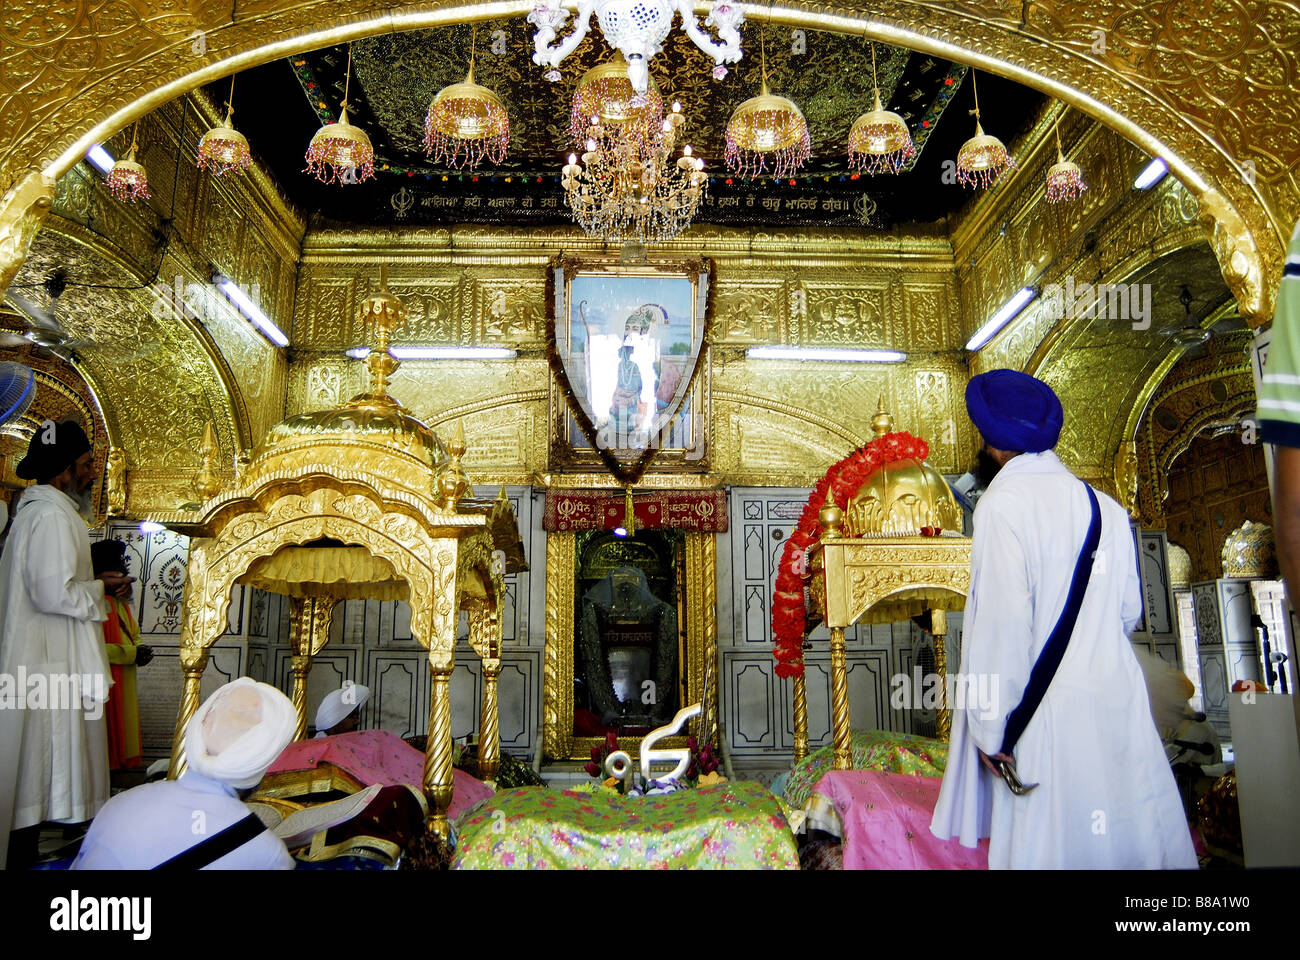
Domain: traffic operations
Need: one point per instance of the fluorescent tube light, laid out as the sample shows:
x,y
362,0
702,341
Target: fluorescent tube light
x,y
832,355
1155,172
1010,310
440,353
100,159
151,526
252,311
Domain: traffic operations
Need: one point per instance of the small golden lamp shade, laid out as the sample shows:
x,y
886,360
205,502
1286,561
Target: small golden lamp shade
x,y
223,149
341,153
127,180
983,160
605,92
880,142
767,134
466,124
1064,178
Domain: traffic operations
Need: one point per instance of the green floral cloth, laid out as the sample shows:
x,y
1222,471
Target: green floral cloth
x,y
736,825
872,750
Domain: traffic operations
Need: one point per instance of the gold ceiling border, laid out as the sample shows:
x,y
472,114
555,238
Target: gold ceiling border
x,y
157,53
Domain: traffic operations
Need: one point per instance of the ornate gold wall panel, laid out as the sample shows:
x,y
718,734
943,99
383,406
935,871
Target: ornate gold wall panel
x,y
774,422
1102,369
162,372
1196,394
1196,81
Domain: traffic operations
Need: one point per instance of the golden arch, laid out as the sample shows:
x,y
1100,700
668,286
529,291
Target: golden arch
x,y
1156,75
436,570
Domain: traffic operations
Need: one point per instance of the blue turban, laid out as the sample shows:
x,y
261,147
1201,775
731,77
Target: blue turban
x,y
1014,411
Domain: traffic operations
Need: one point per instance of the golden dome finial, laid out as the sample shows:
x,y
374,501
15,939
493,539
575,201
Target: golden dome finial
x,y
882,423
387,312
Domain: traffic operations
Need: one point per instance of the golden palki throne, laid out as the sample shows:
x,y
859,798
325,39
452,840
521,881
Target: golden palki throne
x,y
360,502
873,564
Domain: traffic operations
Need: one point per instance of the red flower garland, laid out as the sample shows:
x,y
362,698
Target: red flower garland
x,y
841,483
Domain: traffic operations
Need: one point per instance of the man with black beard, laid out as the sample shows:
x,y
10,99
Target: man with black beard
x,y
54,674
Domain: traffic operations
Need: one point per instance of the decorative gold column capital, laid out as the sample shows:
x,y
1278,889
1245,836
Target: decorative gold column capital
x,y
22,211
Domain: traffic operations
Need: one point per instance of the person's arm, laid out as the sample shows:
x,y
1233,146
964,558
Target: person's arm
x,y
1286,515
50,574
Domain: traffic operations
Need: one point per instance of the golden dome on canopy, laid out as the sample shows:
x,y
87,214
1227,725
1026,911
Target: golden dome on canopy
x,y
901,497
372,432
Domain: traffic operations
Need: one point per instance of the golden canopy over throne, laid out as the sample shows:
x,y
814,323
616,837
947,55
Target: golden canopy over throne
x,y
364,501
894,551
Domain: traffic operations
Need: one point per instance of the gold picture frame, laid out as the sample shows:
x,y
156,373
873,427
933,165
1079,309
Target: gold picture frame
x,y
660,314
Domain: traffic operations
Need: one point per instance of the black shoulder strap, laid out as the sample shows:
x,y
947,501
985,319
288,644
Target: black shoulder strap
x,y
1040,677
216,846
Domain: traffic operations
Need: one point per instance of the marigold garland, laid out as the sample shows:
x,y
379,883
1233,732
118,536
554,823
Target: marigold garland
x,y
841,483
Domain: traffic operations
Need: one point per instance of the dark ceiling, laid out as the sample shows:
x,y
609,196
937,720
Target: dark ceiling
x,y
394,76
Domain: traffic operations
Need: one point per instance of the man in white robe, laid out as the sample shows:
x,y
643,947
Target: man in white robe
x,y
1106,797
229,743
54,674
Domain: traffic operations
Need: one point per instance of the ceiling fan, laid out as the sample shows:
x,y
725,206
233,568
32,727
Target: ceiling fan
x,y
1187,334
46,333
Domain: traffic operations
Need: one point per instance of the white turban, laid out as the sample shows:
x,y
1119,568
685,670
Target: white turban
x,y
239,731
338,704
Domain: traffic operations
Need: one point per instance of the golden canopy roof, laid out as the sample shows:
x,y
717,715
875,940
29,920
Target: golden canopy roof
x,y
369,443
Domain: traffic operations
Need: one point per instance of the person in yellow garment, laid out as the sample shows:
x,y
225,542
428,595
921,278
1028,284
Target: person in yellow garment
x,y
125,654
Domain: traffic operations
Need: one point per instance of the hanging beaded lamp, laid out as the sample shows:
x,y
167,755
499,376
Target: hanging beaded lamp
x,y
765,130
982,160
466,124
605,92
340,152
879,141
127,181
1064,178
223,149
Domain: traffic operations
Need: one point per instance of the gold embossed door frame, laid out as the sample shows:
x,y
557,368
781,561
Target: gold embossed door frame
x,y
701,602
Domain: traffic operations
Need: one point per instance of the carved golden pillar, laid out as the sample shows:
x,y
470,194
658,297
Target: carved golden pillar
x,y
943,718
437,752
800,717
840,702
489,734
194,660
22,211
309,629
557,700
485,637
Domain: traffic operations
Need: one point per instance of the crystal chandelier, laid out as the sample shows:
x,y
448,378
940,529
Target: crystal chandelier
x,y
982,160
466,124
626,187
1064,178
636,28
879,141
340,152
127,180
223,149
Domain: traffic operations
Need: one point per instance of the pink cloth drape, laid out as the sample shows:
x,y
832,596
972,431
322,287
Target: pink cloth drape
x,y
377,756
886,821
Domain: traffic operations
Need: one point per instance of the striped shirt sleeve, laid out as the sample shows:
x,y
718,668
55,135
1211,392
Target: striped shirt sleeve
x,y
1279,395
